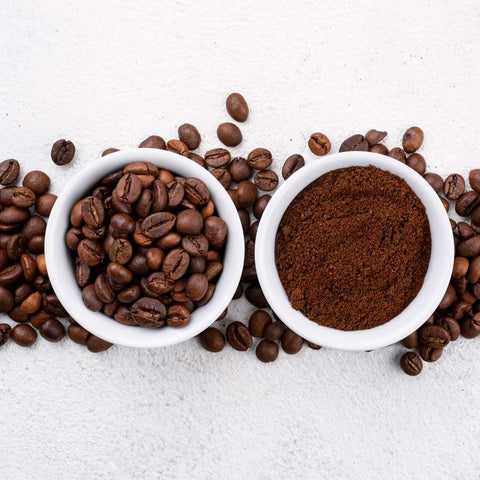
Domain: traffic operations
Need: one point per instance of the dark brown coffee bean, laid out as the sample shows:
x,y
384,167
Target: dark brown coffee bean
x,y
435,180
254,295
34,227
176,264
249,276
123,316
18,316
257,323
354,143
153,141
218,157
197,159
411,341
90,252
158,224
215,230
212,340
261,205
196,191
37,181
9,171
292,164
229,134
465,230
77,333
97,345
417,162
319,144
32,303
5,331
23,197
411,363
22,292
379,148
177,316
16,245
237,107
434,336
149,312
121,251
14,215
108,151
412,139
52,305
291,342
141,168
474,179
239,337
63,152
469,248
197,265
129,294
223,176
154,258
460,308
466,203
175,194
128,189
460,267
93,213
10,274
83,273
260,158
103,289
266,180
473,270
52,330
38,318
178,147
454,186
374,136
24,335
247,194
189,222
6,300
267,351
398,154
240,169
170,240
197,286
207,297
451,325
90,298
212,270
189,135
159,284
430,354
470,326
42,284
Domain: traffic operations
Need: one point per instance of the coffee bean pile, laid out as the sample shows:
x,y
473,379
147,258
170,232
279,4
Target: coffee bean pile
x,y
26,294
147,245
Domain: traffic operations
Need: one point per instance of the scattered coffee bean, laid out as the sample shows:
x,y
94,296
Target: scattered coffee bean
x,y
259,320
319,144
189,135
398,154
412,139
97,345
291,342
154,141
374,137
9,171
5,331
354,143
267,351
239,337
292,164
229,134
52,330
218,157
212,340
266,180
177,146
24,335
237,107
37,181
63,152
240,169
260,158
454,186
411,363
417,162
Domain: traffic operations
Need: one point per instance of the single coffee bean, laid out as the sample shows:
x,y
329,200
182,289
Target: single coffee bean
x,y
379,148
108,151
77,333
239,337
411,341
93,212
10,274
254,295
292,164
460,267
398,154
23,197
474,179
129,294
149,312
260,158
229,134
267,351
189,135
196,191
319,144
90,298
52,330
18,316
6,300
24,335
154,141
257,323
466,203
177,316
237,107
128,189
90,252
374,136
465,230
5,332
189,222
37,181
473,270
197,265
412,139
32,303
451,325
158,224
417,162
218,157
261,205
470,326
34,227
176,264
291,342
207,297
52,305
266,180
197,286
469,248
454,186
247,194
240,169
223,176
63,152
212,340
212,269
42,284
96,344
14,215
215,230
9,171
103,289
435,180
178,147
170,240
354,143
314,346
411,363
434,336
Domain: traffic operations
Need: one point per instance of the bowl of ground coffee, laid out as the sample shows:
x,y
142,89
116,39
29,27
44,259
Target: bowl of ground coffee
x,y
355,251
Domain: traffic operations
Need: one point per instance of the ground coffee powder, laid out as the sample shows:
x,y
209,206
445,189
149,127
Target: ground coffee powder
x,y
353,248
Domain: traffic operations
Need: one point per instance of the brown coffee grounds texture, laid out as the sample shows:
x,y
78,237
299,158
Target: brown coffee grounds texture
x,y
353,248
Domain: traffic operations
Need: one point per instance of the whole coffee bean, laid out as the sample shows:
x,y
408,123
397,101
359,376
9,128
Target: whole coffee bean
x,y
14,215
149,312
229,134
154,258
247,194
239,337
6,300
474,179
223,176
434,336
261,205
207,297
417,162
196,191
445,204
177,316
215,230
153,141
435,180
466,203
37,181
159,283
52,305
454,186
212,340
129,294
197,286
90,298
254,295
77,333
412,139
128,189
121,251
379,148
465,230
175,194
240,169
23,197
170,240
10,274
319,144
158,224
197,159
292,164
52,330
176,264
42,284
96,344
103,289
189,135
63,152
398,154
470,326
5,331
24,335
18,316
22,292
93,212
354,143
257,323
9,171
451,325
237,107
374,136
460,267
411,341
267,351
32,303
291,342
90,252
469,248
178,147
197,265
411,363
266,180
460,308
34,226
16,245
212,270
430,354
189,222
218,157
259,158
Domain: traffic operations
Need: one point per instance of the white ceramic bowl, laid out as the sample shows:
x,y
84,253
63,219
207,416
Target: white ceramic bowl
x,y
61,271
424,304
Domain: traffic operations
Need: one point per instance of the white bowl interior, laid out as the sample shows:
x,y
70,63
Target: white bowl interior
x,y
62,274
435,282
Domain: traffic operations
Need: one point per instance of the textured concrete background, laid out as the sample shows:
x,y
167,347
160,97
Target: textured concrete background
x,y
111,73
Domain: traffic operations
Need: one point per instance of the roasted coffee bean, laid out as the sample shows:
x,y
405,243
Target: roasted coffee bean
x,y
379,148
9,171
470,326
34,226
212,269
77,333
411,363
261,205
197,265
411,341
153,141
260,158
267,351
434,336
22,292
229,134
465,230
189,135
417,162
103,289
475,219
257,323
454,186
215,230
37,181
474,179
16,245
154,258
435,180
247,194
197,159
52,305
237,107
14,215
249,275
175,194
158,224
254,295
196,191
177,316
177,146
451,325
52,330
93,213
473,269
90,252
398,154
292,164
266,180
149,312
412,139
189,222
32,303
10,274
63,152
176,264
128,189
466,203
207,297
5,332
218,157
212,340
170,240
469,248
90,298
374,136
23,197
6,300
129,294
24,335
460,267
445,203
239,337
18,316
159,283
354,143
96,344
460,308
121,251
141,168
319,144
197,286
291,342
38,318
83,273
76,214
240,169
223,176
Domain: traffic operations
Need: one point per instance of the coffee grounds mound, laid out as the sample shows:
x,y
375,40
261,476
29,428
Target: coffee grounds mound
x,y
353,248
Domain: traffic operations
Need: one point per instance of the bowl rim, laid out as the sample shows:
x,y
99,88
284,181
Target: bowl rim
x,y
61,272
414,315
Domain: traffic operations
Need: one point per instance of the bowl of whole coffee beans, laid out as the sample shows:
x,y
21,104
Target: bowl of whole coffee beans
x,y
355,251
144,248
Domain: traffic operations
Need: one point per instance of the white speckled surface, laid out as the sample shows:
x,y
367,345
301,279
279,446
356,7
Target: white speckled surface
x,y
109,74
